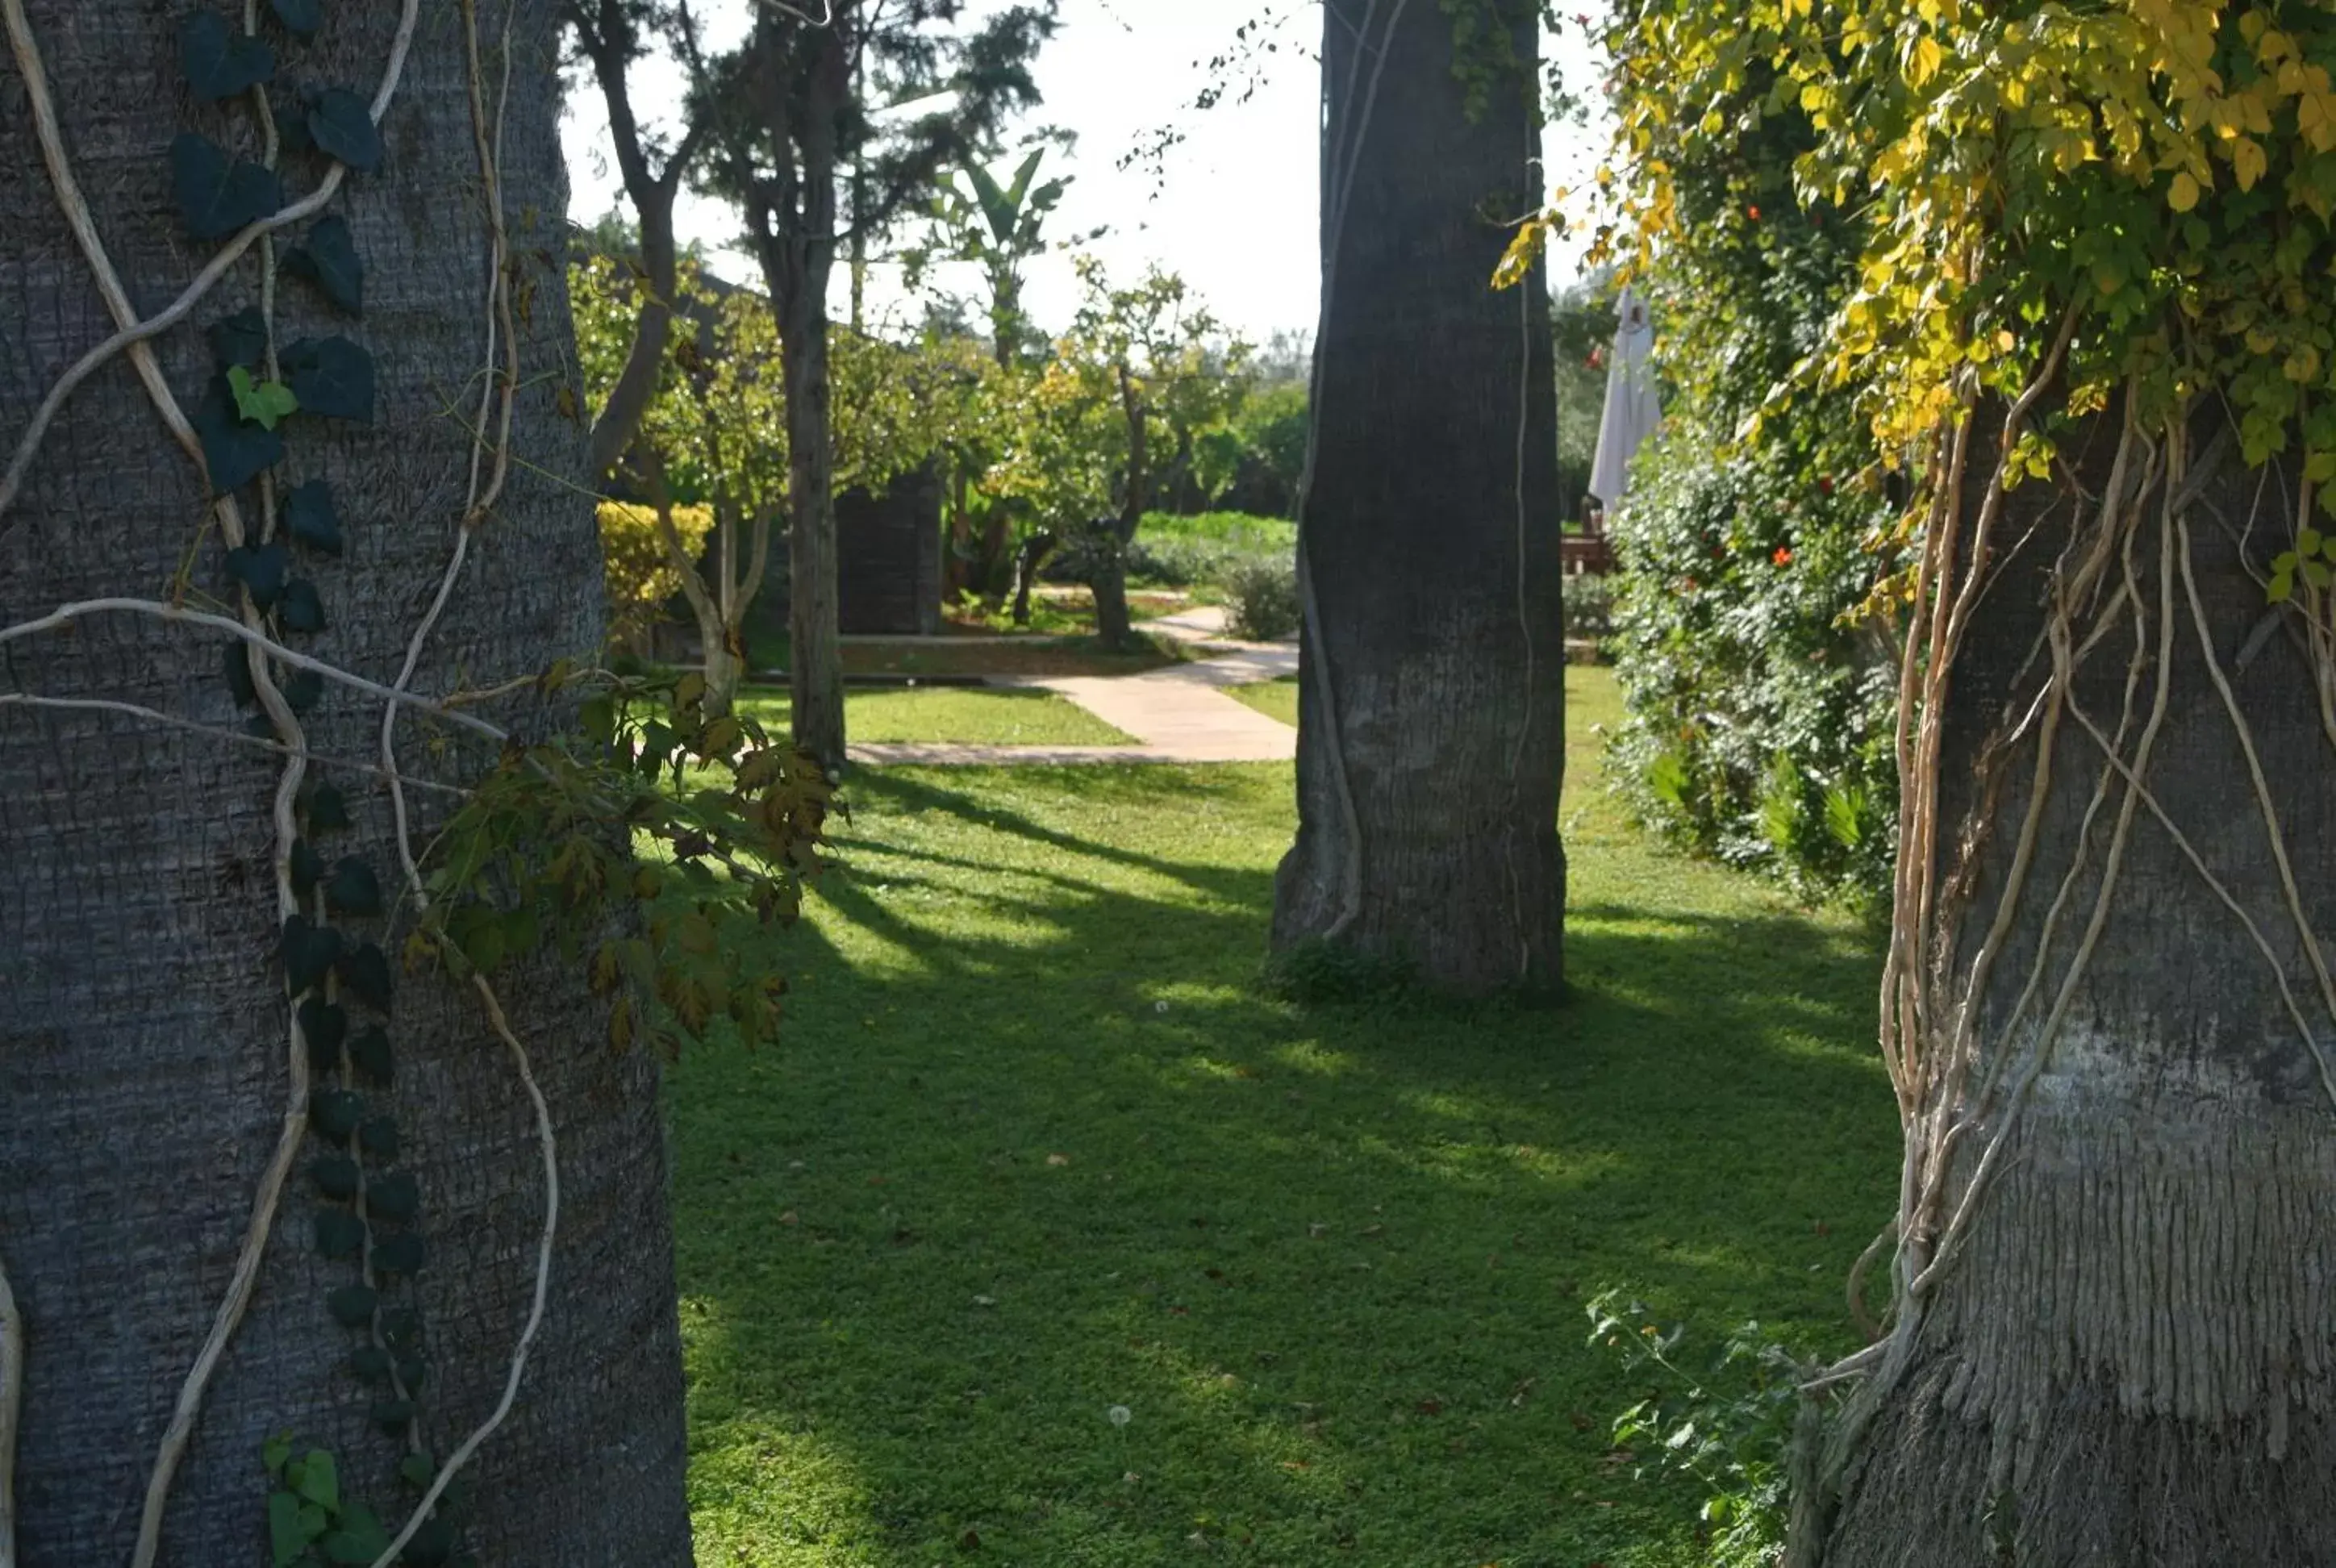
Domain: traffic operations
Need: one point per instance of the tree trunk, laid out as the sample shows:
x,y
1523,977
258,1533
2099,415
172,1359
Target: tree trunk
x,y
1114,624
142,1012
605,32
991,569
2124,1355
1035,552
815,663
955,561
1431,695
797,264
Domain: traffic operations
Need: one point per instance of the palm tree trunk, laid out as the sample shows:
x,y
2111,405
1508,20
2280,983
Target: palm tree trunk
x,y
1431,695
2121,1356
143,1014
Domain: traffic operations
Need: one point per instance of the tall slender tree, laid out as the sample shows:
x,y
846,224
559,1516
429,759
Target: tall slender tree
x,y
1432,694
150,1056
790,110
611,35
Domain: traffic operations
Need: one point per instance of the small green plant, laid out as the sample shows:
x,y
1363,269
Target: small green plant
x,y
1263,597
1729,1429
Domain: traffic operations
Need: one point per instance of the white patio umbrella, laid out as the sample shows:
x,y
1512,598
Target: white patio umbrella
x,y
1633,409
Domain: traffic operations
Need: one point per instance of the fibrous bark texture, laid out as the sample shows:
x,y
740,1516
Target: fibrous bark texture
x,y
142,1020
2128,1355
1432,692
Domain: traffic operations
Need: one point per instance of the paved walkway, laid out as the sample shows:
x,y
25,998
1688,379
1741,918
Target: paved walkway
x,y
1177,714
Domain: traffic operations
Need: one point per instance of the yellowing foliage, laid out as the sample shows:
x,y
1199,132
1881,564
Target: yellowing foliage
x,y
638,572
2158,174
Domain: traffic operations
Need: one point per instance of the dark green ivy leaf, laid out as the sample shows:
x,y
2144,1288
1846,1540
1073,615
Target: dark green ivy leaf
x,y
413,1372
378,1137
287,1540
353,890
217,197
432,1545
370,1052
327,811
291,122
351,1305
341,125
262,568
305,688
310,515
400,1329
400,1254
392,1417
309,951
370,1363
360,1538
331,377
323,1026
219,61
322,1022
237,667
234,451
396,1196
366,972
328,258
303,609
336,1176
339,1233
337,1114
239,339
301,18
307,866
417,1469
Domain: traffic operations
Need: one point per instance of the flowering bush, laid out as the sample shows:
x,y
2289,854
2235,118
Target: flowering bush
x,y
1761,725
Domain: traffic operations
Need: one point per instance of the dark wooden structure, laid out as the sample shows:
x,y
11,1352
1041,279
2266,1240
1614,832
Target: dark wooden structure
x,y
888,557
1590,553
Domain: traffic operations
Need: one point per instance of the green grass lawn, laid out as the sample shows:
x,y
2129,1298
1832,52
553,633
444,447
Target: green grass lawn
x,y
1273,699
961,715
1239,530
1036,1145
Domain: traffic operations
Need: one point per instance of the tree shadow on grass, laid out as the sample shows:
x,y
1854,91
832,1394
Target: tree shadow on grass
x,y
1034,1149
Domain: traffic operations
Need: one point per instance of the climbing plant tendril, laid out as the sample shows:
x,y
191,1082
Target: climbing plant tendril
x,y
2090,297
540,847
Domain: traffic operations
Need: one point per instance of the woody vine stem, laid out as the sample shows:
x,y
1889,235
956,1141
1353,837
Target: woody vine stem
x,y
490,465
2105,587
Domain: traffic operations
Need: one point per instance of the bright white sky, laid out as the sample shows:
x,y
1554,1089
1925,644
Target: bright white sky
x,y
1236,212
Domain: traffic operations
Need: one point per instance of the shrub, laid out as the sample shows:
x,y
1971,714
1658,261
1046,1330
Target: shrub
x,y
638,576
1589,606
1761,726
1263,598
1729,1428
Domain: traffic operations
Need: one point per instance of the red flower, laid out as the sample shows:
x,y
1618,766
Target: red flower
x,y
1783,557
1824,484
1752,213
